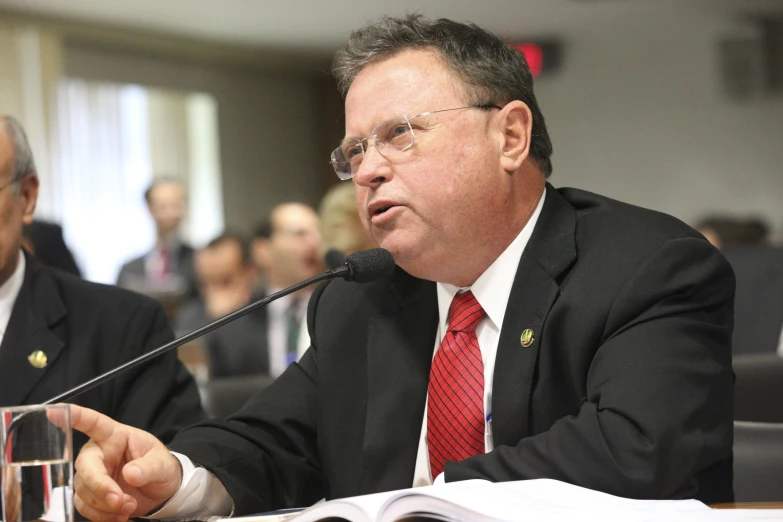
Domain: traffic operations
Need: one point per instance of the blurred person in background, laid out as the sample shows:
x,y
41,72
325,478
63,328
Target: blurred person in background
x,y
226,280
45,241
726,231
341,227
758,303
165,272
286,248
58,331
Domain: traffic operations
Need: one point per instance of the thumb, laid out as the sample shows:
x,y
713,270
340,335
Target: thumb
x,y
155,467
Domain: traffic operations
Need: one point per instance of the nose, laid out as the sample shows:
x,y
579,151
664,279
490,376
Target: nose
x,y
374,169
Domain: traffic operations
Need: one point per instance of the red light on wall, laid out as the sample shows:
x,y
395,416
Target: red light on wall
x,y
534,56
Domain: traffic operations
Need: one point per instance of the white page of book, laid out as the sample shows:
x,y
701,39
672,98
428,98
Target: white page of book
x,y
530,500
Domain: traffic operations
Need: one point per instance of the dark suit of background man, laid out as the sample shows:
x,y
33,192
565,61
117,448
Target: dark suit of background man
x,y
612,324
227,279
58,331
167,269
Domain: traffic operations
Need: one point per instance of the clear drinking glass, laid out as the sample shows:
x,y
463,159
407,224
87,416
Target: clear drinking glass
x,y
36,463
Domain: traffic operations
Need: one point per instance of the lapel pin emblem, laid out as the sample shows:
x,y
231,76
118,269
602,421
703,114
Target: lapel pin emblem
x,y
37,359
527,338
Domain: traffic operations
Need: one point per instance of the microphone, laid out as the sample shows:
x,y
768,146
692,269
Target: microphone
x,y
363,266
334,258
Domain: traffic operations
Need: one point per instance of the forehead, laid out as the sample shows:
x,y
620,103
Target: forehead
x,y
166,191
222,256
408,83
288,216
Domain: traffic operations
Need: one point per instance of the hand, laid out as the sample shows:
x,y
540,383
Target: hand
x,y
121,472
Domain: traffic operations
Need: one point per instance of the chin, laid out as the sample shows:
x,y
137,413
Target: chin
x,y
411,257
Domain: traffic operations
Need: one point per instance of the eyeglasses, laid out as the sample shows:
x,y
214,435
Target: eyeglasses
x,y
390,138
8,184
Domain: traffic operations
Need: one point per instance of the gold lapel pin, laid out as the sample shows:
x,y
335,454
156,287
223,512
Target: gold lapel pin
x,y
527,338
37,359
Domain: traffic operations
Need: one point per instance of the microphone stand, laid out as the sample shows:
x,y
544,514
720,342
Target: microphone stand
x,y
342,271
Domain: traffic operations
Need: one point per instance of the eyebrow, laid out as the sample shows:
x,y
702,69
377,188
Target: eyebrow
x,y
350,139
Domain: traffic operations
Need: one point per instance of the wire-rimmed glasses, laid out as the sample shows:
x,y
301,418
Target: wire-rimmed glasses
x,y
390,136
11,182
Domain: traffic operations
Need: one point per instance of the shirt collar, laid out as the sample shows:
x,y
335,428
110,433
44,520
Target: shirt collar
x,y
493,287
9,292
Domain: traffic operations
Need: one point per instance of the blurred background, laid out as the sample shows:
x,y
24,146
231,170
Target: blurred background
x,y
675,105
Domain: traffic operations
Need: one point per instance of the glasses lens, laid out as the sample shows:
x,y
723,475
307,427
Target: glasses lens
x,y
396,133
341,166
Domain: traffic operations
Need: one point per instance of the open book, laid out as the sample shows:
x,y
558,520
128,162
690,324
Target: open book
x,y
528,500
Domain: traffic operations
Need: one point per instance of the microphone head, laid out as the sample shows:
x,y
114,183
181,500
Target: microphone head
x,y
334,258
369,265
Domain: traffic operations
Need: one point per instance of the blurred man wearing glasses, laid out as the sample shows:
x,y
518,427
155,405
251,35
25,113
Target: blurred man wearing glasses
x,y
574,337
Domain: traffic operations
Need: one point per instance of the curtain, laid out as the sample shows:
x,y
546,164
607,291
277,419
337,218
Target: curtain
x,y
100,167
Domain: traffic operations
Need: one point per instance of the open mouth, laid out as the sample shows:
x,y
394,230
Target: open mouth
x,y
382,210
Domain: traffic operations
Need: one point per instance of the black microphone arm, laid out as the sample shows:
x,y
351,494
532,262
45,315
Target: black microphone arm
x,y
362,267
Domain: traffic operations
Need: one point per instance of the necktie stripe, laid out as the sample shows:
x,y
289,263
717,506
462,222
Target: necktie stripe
x,y
469,403
443,411
474,381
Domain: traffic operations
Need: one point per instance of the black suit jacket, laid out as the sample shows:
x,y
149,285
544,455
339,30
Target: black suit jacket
x,y
86,329
238,348
626,388
759,302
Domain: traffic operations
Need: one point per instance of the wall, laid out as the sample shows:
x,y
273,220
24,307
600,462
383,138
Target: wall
x,y
31,64
269,137
637,113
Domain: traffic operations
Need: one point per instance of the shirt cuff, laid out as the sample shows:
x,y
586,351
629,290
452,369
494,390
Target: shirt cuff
x,y
201,496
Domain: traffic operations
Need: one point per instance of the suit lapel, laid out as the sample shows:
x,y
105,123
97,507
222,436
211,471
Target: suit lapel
x,y
37,310
399,353
550,251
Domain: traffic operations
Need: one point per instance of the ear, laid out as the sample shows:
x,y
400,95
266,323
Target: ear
x,y
259,252
516,123
28,193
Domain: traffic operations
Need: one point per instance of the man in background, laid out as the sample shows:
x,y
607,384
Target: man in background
x,y
341,226
58,331
286,248
227,280
166,271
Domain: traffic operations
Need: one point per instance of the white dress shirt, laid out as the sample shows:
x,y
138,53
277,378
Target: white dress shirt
x,y
277,338
9,291
491,289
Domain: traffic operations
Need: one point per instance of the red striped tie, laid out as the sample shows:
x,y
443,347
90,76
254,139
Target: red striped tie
x,y
455,407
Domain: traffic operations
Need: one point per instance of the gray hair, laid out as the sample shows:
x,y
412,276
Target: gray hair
x,y
24,163
492,72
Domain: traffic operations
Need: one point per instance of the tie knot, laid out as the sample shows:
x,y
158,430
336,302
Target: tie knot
x,y
465,313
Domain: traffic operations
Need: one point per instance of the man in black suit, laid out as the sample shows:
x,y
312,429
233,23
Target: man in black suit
x,y
227,278
167,270
286,249
574,337
58,331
